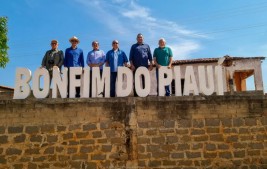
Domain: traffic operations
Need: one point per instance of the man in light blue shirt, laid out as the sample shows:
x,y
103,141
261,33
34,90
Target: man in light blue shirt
x,y
95,58
115,58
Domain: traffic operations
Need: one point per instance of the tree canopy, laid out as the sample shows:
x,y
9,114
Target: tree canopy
x,y
3,42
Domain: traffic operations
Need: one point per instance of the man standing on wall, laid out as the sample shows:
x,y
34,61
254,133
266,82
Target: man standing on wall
x,y
163,57
74,58
140,55
115,58
53,58
95,58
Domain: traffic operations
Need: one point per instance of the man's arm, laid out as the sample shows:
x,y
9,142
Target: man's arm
x,y
61,61
170,63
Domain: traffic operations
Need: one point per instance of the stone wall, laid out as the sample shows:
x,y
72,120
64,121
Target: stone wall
x,y
152,132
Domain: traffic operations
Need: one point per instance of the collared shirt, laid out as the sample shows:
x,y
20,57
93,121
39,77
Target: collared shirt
x,y
74,57
140,54
111,59
96,57
163,55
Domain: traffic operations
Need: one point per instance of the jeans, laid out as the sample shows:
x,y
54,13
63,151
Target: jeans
x,y
167,88
113,78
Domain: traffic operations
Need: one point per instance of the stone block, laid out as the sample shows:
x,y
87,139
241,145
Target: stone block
x,y
86,149
197,132
239,145
153,148
97,134
80,157
31,151
196,146
232,138
49,128
74,127
198,123
169,124
143,140
89,141
201,138
13,151
89,127
31,129
98,157
18,166
166,130
250,121
110,133
17,129
49,150
182,131
238,122
61,128
212,122
214,130
257,145
230,131
52,138
208,155
227,122
67,136
82,134
185,138
25,159
223,147
142,125
158,140
72,150
20,138
210,147
32,166
91,165
245,137
117,140
261,137
182,147
39,159
151,132
155,124
177,155
2,129
63,157
3,159
240,154
184,123
36,138
154,163
142,156
102,141
75,164
184,163
167,147
225,154
253,152
59,149
168,163
171,139
216,137
190,154
106,148
160,154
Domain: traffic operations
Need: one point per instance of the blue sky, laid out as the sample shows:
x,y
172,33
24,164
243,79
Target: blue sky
x,y
192,28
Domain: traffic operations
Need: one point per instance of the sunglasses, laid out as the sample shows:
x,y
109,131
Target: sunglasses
x,y
74,41
53,43
115,43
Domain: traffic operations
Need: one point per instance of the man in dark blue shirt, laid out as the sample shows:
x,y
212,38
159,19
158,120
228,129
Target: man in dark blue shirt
x,y
140,55
74,58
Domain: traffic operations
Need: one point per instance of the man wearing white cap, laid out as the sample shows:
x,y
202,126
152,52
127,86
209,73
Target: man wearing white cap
x,y
74,58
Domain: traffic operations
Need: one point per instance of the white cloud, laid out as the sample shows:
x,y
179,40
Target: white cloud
x,y
127,18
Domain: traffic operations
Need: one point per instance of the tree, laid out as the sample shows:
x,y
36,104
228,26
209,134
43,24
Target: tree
x,y
3,42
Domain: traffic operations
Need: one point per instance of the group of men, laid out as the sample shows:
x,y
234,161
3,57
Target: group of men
x,y
140,56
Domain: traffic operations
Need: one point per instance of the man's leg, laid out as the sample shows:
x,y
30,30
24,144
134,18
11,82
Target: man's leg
x,y
113,78
78,88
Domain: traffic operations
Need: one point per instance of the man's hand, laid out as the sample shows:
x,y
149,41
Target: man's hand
x,y
150,67
169,67
132,68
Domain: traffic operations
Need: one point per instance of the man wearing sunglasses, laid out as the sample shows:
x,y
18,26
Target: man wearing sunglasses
x,y
74,58
115,58
53,58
